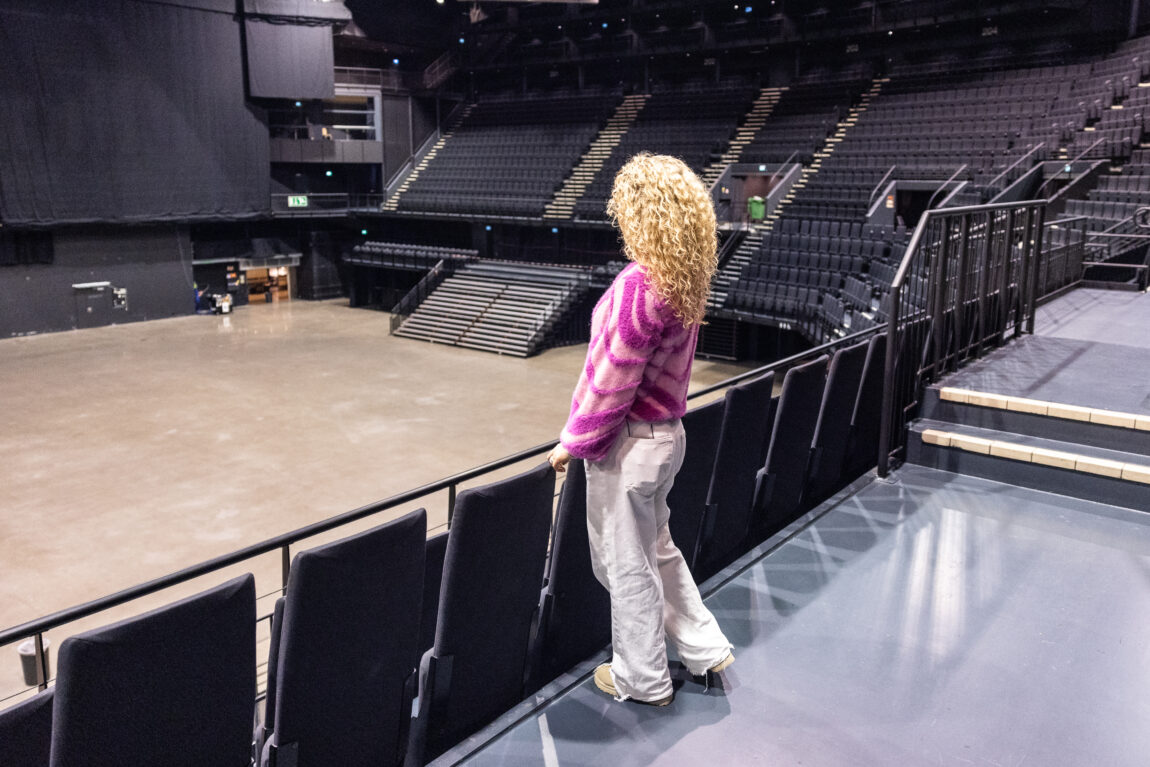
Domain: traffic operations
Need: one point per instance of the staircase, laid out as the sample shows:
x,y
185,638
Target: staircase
x,y
827,150
982,425
761,109
498,308
589,165
729,272
392,202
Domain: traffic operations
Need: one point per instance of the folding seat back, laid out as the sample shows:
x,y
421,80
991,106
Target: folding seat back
x,y
264,730
782,480
492,573
828,449
688,496
175,686
26,732
434,552
349,648
862,442
575,609
742,440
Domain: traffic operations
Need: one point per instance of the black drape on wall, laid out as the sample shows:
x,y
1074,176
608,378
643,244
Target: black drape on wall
x,y
125,111
289,61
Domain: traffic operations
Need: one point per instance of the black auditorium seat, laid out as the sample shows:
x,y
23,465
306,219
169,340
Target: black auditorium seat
x,y
688,496
746,426
828,450
26,732
862,443
781,481
174,686
575,609
349,648
492,574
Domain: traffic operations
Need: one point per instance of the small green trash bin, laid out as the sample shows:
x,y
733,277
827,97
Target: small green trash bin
x,y
756,208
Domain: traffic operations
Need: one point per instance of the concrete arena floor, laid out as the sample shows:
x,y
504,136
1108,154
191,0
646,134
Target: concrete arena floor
x,y
129,452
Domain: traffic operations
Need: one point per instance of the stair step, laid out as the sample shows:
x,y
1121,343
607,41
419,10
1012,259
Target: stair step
x,y
1066,468
1127,432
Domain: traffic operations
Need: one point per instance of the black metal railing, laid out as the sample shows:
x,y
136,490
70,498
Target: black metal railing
x,y
283,544
432,280
969,280
1064,254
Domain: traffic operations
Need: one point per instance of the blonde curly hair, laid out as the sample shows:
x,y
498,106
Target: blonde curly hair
x,y
667,221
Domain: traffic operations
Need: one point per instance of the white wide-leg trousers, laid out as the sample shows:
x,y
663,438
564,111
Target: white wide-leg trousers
x,y
633,556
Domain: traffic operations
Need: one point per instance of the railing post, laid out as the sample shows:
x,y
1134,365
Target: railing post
x,y
938,275
450,504
960,307
1026,264
41,663
886,424
285,565
1040,215
1004,280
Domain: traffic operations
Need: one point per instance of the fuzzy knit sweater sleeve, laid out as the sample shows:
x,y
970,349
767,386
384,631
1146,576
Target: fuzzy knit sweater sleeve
x,y
633,338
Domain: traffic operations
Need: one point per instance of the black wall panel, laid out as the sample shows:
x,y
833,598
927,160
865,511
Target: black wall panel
x,y
153,264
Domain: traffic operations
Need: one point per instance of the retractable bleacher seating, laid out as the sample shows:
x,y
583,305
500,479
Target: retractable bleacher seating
x,y
502,308
509,156
693,123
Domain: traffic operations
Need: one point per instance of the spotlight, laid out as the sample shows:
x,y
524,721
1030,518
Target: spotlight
x,y
604,25
747,9
327,173
439,2
554,230
461,41
363,232
488,227
395,61
299,103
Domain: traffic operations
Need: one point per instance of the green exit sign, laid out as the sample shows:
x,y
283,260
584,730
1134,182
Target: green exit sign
x,y
297,201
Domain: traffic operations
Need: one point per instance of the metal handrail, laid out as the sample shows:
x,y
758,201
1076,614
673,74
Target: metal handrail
x,y
953,176
878,186
37,628
1081,154
949,282
1016,163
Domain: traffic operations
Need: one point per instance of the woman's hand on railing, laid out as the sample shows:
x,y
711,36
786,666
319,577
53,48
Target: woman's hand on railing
x,y
558,458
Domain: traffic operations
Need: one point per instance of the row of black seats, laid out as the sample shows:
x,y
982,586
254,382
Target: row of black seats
x,y
176,686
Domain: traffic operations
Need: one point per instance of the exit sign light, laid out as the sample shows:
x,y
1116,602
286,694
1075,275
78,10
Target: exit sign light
x,y
297,201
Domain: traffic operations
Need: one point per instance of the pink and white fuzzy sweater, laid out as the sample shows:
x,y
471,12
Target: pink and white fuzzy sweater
x,y
638,366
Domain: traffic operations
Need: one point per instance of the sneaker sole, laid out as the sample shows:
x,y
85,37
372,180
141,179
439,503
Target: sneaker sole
x,y
723,664
610,690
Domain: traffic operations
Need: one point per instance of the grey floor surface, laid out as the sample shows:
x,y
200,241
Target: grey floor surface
x,y
933,620
1114,316
129,452
1064,370
1090,348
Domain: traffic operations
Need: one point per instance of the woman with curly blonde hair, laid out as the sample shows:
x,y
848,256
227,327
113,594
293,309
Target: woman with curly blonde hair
x,y
624,423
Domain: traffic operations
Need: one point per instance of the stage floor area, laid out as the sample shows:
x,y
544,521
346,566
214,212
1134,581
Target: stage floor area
x,y
932,619
132,451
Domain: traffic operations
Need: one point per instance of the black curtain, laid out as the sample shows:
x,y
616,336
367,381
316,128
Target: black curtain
x,y
289,61
126,111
